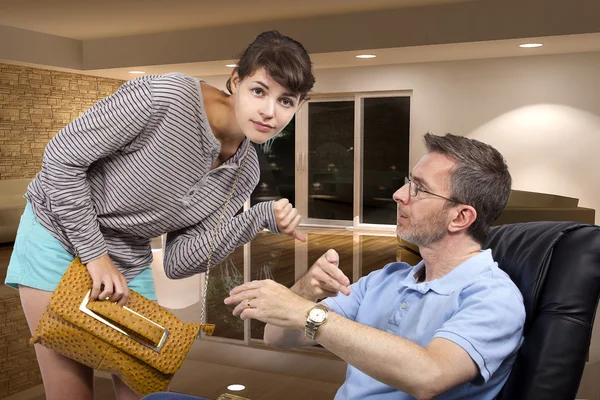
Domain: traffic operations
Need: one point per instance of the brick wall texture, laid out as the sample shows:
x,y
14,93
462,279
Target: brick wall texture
x,y
34,105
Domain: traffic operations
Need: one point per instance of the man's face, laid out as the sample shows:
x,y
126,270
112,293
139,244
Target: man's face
x,y
423,220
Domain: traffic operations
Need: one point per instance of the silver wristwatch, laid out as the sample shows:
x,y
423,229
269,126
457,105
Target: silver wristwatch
x,y
315,317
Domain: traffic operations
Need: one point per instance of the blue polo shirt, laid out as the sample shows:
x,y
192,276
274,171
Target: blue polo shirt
x,y
476,306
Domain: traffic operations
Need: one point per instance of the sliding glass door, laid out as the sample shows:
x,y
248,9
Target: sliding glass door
x,y
385,123
351,155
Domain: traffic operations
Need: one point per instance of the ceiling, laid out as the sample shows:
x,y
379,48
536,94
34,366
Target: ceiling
x,y
403,55
93,19
112,37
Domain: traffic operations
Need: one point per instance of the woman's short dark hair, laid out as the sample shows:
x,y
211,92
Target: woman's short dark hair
x,y
283,58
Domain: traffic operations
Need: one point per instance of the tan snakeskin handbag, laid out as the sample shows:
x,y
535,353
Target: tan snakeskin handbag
x,y
142,343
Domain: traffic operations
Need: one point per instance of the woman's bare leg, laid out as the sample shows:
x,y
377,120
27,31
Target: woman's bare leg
x,y
63,378
122,390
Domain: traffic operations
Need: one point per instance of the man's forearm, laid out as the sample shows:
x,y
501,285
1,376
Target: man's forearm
x,y
390,359
283,338
286,338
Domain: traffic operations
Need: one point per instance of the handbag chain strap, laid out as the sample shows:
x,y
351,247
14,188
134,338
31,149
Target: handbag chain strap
x,y
209,328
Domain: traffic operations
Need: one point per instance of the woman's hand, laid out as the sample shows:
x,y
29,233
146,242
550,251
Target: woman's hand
x,y
288,219
108,282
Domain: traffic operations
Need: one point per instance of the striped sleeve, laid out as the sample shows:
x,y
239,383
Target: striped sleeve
x,y
106,127
187,250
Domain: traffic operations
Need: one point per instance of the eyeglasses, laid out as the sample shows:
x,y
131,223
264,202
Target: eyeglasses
x,y
414,190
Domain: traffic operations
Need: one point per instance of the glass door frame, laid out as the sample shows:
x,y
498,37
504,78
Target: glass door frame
x,y
302,152
302,146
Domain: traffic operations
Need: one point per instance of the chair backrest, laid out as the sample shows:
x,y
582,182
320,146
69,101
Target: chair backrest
x,y
556,265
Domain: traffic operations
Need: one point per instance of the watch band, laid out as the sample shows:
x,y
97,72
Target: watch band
x,y
311,327
311,330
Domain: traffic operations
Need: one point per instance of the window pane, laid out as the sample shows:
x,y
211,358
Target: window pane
x,y
272,257
385,156
224,277
339,240
331,160
277,167
376,252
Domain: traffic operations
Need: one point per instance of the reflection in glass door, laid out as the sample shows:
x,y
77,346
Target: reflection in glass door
x,y
330,160
385,133
277,167
271,257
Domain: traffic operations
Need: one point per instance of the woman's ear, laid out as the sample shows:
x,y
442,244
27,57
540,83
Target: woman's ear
x,y
301,103
235,81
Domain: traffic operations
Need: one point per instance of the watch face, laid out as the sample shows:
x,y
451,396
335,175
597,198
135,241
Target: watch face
x,y
317,315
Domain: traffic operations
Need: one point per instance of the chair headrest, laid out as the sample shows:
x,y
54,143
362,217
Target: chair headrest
x,y
526,250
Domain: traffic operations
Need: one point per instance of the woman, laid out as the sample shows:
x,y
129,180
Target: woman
x,y
161,155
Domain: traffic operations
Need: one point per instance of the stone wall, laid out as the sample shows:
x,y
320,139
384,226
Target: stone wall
x,y
34,105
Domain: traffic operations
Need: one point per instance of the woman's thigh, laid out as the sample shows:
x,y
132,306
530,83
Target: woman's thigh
x,y
63,378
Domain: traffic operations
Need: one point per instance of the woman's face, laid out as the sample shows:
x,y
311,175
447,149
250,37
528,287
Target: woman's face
x,y
262,106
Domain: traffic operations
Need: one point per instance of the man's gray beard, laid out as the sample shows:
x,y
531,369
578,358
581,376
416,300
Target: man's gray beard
x,y
420,239
429,231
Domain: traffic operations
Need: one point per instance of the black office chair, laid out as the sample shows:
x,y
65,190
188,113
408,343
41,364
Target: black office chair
x,y
556,265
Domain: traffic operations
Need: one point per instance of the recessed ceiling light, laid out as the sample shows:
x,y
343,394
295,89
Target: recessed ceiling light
x,y
530,45
236,388
366,56
137,72
231,65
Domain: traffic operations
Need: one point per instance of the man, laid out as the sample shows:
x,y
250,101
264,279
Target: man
x,y
448,327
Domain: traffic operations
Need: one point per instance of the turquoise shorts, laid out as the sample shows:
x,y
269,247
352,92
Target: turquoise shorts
x,y
39,261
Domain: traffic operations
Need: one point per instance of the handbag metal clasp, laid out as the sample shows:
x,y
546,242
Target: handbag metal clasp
x,y
83,307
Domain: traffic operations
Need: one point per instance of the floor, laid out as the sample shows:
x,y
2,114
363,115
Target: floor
x,y
213,382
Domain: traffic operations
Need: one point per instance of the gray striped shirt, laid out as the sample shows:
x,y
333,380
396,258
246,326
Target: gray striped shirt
x,y
137,165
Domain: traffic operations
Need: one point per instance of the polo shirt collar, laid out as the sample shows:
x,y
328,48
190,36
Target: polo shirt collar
x,y
452,281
